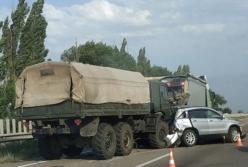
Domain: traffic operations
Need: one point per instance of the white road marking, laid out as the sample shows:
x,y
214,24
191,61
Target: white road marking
x,y
113,159
153,160
36,163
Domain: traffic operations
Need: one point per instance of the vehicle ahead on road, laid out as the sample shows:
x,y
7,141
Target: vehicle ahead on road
x,y
74,105
195,122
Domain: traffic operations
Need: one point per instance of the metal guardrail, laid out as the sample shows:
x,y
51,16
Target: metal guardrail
x,y
236,115
10,130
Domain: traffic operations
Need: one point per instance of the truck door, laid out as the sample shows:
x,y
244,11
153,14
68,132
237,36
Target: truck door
x,y
199,120
163,97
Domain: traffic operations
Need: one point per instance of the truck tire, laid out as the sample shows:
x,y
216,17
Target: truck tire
x,y
232,134
124,138
72,151
49,148
104,142
189,137
157,139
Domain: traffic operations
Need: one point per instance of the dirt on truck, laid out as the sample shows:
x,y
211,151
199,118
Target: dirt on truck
x,y
75,105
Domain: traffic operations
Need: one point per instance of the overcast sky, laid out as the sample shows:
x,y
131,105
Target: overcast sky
x,y
209,35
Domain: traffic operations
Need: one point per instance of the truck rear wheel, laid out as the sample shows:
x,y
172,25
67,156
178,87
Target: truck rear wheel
x,y
157,139
72,151
49,148
124,137
104,142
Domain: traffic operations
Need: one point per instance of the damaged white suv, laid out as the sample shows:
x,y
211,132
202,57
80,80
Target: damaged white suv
x,y
193,122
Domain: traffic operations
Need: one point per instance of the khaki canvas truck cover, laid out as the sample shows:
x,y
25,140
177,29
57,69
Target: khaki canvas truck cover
x,y
54,82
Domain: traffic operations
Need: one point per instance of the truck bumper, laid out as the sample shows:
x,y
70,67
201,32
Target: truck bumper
x,y
51,131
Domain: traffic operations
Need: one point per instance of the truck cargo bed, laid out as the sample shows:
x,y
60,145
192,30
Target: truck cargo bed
x,y
69,109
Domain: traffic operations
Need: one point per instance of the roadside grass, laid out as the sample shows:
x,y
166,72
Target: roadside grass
x,y
18,151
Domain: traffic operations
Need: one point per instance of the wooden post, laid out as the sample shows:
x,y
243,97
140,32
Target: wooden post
x,y
30,127
13,126
24,127
7,126
19,127
1,126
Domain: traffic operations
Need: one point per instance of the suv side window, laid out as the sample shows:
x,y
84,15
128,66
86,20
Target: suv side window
x,y
197,113
212,114
183,115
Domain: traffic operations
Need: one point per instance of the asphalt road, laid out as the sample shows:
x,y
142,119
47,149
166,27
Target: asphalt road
x,y
211,153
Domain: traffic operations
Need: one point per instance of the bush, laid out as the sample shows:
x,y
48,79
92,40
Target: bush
x,y
18,151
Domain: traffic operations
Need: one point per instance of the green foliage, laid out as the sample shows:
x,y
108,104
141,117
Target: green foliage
x,y
182,70
143,63
32,49
157,71
227,110
217,100
1,24
123,46
5,49
18,151
21,44
100,54
7,99
240,111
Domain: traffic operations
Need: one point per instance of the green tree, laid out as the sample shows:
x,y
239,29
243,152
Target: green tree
x,y
5,49
217,100
20,37
159,71
101,54
240,111
69,55
227,110
182,70
7,99
143,63
123,46
32,48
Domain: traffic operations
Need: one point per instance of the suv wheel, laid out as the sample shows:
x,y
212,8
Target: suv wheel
x,y
189,138
232,135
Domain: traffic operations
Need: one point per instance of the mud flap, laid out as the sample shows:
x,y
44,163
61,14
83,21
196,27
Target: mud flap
x,y
90,129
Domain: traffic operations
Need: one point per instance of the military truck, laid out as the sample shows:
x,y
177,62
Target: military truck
x,y
74,105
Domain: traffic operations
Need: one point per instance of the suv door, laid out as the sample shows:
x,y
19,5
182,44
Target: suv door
x,y
198,118
216,123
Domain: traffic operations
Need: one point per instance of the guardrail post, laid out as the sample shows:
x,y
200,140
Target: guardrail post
x,y
13,126
24,127
7,126
19,127
1,126
30,127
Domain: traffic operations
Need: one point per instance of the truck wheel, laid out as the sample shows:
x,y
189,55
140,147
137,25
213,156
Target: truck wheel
x,y
72,151
104,142
49,148
232,135
189,138
157,140
124,138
